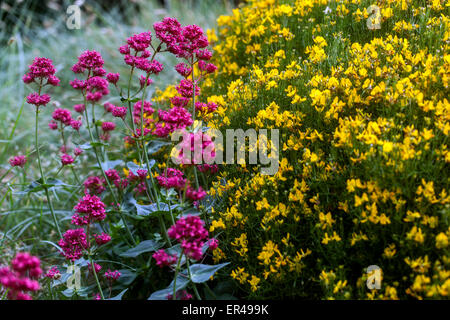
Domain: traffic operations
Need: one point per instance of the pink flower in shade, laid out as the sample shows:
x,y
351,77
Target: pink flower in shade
x,y
183,69
139,42
190,233
79,108
53,125
91,209
97,267
18,161
108,106
204,54
113,77
178,101
97,296
38,100
76,124
41,68
155,67
53,273
94,185
119,112
169,32
102,239
18,279
208,67
163,259
169,121
142,81
78,84
108,126
112,275
213,243
125,49
181,295
73,244
148,111
195,194
113,176
201,148
77,152
62,115
99,72
185,88
172,178
91,60
66,159
97,87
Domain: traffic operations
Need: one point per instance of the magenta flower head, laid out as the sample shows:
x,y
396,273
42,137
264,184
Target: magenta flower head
x,y
163,259
183,69
41,68
155,67
102,239
66,159
119,112
113,77
91,209
79,108
140,42
53,125
142,81
90,60
112,275
53,273
62,115
190,233
108,126
73,244
38,100
18,279
77,152
94,185
18,161
76,124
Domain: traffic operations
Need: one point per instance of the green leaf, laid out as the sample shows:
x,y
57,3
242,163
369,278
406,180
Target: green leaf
x,y
202,272
111,164
37,185
119,296
126,277
152,209
182,282
144,246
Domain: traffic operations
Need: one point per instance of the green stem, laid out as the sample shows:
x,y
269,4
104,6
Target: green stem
x,y
96,278
44,182
197,295
174,296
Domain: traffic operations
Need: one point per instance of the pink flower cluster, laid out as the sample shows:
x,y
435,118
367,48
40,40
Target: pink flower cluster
x,y
94,185
53,273
112,275
91,208
201,148
114,177
169,121
73,243
148,111
191,234
19,278
102,239
95,87
163,259
172,178
18,161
